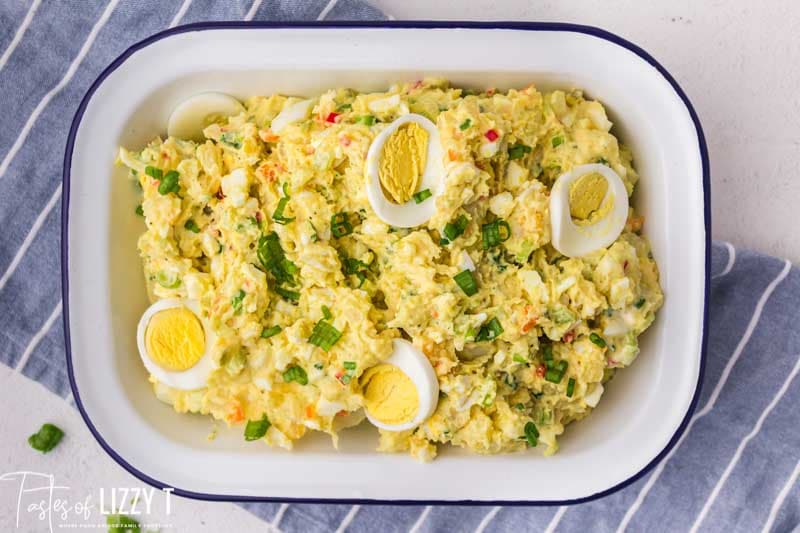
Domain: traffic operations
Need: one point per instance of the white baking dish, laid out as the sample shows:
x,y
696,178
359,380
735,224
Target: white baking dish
x,y
645,407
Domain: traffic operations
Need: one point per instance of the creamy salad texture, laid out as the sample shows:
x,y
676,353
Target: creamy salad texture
x,y
393,254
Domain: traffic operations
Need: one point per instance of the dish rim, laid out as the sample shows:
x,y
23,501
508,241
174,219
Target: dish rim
x,y
424,24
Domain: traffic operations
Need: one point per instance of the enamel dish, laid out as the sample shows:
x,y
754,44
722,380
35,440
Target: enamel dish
x,y
643,412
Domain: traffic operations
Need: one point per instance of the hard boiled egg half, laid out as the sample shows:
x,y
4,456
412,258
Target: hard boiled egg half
x,y
193,115
401,392
175,343
588,209
405,172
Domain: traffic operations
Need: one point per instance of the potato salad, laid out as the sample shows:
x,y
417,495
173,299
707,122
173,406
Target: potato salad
x,y
452,266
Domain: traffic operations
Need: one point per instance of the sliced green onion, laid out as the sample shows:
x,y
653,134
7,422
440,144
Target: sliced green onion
x,y
518,151
340,225
422,195
168,281
326,312
324,335
465,125
293,296
140,210
153,172
453,229
319,366
520,406
349,365
640,303
277,216
489,331
367,120
236,302
315,235
232,139
547,352
519,359
597,340
531,434
466,280
271,256
256,429
494,233
271,331
192,226
344,107
553,375
346,379
570,387
557,141
169,183
46,438
602,161
295,373
562,366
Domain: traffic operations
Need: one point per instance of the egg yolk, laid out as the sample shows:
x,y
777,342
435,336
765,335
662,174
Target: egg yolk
x,y
403,161
175,339
586,196
390,395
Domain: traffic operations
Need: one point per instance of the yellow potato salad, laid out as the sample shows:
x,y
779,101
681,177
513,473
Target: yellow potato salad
x,y
302,286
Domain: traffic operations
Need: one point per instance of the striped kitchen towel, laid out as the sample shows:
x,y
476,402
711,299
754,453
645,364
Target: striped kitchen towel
x,y
734,469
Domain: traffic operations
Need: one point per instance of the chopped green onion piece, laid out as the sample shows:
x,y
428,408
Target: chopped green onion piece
x,y
518,151
319,366
344,107
466,280
557,141
293,296
367,120
271,256
597,340
349,365
169,183
232,139
315,235
324,335
453,229
553,376
140,210
256,429
326,312
346,379
562,366
640,303
120,523
602,161
489,331
277,216
519,359
295,373
340,225
465,125
271,331
46,438
422,195
492,234
531,434
570,387
192,226
547,352
153,172
236,302
168,281
520,406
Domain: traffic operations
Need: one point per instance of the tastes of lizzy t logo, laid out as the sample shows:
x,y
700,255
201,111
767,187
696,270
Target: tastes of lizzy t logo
x,y
44,505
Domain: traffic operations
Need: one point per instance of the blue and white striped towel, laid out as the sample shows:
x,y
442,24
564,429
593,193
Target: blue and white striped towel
x,y
735,469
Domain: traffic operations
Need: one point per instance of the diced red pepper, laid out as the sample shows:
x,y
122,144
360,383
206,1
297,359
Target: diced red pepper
x,y
568,337
625,265
220,195
331,117
540,370
259,216
492,135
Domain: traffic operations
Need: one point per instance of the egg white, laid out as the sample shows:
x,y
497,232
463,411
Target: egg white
x,y
578,241
192,378
409,214
293,113
190,117
416,366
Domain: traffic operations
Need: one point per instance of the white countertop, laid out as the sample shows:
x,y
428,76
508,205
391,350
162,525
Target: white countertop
x,y
736,61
